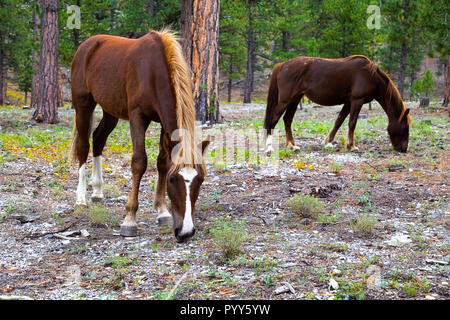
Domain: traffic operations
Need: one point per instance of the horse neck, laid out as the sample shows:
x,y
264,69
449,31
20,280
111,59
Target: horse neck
x,y
389,101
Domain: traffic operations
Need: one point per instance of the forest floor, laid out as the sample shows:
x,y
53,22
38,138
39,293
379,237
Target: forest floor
x,y
383,231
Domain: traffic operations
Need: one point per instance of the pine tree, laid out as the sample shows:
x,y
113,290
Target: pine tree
x,y
47,99
200,32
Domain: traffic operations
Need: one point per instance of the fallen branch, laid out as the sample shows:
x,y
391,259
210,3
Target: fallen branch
x,y
177,284
38,235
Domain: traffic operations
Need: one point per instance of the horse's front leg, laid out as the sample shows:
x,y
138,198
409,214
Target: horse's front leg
x,y
354,112
160,205
340,119
138,126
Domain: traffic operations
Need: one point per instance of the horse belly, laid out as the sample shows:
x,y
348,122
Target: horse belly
x,y
326,97
110,96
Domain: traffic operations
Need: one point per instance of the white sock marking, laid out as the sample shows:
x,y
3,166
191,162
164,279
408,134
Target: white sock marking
x,y
97,179
188,175
269,141
81,189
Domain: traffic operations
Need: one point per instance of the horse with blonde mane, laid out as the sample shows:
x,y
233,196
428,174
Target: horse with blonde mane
x,y
351,81
140,80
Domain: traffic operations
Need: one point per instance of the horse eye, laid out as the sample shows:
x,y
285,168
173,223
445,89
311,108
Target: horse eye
x,y
172,180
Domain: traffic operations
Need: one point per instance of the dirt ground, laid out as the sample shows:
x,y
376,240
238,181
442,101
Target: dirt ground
x,y
383,232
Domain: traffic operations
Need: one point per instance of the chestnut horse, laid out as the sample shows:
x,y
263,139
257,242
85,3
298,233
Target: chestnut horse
x,y
350,81
140,80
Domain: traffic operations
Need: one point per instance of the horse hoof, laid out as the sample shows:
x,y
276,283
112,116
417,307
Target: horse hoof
x,y
293,147
80,204
164,220
269,151
128,231
352,149
96,199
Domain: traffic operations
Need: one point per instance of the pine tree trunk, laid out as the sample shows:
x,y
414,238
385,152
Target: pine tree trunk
x,y
447,83
200,34
230,80
248,84
76,32
47,99
150,9
35,58
2,75
401,75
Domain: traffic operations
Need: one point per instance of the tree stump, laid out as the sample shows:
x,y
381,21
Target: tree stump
x,y
424,102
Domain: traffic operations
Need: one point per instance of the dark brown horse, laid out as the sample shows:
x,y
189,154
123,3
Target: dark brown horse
x,y
140,80
351,81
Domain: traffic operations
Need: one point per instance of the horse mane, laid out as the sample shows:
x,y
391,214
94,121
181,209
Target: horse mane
x,y
180,76
392,93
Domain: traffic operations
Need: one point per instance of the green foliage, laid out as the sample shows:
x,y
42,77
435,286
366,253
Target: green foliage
x,y
416,89
306,206
228,236
423,86
428,83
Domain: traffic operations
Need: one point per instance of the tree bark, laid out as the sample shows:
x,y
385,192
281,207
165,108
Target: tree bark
x,y
200,34
447,83
2,75
230,80
34,57
47,99
401,75
248,85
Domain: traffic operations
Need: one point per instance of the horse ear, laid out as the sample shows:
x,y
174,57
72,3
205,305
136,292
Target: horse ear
x,y
403,115
205,145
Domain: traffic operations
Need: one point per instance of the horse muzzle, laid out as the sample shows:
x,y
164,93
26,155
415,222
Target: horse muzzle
x,y
401,149
182,237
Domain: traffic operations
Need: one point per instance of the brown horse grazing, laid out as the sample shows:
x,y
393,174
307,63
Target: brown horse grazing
x,y
350,81
140,80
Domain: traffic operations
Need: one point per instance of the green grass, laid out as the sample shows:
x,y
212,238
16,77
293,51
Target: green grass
x,y
100,216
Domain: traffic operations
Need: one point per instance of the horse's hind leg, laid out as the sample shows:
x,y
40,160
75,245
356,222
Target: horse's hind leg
x,y
101,133
84,108
159,203
340,119
287,118
271,123
138,125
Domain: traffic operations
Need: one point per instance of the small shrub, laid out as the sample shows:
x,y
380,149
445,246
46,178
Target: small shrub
x,y
228,236
111,191
306,206
364,223
335,167
99,216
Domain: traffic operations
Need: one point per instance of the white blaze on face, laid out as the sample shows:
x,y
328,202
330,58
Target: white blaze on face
x,y
188,175
81,189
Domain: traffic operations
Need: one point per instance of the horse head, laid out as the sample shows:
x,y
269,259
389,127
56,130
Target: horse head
x,y
183,186
399,131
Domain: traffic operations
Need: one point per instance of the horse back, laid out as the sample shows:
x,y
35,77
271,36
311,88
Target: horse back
x,y
118,71
331,81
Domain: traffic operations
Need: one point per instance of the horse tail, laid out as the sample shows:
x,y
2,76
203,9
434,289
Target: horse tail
x,y
73,144
180,75
272,97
